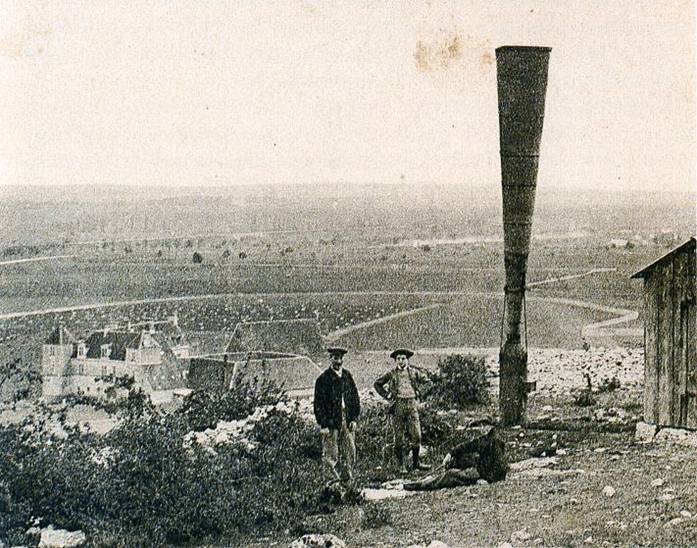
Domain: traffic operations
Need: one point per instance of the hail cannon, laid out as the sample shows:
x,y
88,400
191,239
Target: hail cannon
x,y
522,82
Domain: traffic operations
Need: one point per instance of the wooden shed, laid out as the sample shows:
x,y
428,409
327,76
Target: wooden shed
x,y
670,344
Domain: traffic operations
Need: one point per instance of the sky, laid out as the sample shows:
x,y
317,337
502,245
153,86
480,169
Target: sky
x,y
201,92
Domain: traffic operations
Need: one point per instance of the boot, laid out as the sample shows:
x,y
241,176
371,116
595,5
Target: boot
x,y
418,465
399,454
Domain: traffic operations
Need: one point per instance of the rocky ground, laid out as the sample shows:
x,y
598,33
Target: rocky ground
x,y
601,488
607,491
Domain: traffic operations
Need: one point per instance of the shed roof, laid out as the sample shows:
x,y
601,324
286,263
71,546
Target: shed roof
x,y
687,246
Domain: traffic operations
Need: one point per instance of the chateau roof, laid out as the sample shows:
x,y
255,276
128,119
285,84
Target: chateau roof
x,y
119,341
60,335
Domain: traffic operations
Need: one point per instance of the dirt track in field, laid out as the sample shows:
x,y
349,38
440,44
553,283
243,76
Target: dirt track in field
x,y
596,329
36,259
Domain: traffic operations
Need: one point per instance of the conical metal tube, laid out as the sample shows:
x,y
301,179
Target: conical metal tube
x,y
522,84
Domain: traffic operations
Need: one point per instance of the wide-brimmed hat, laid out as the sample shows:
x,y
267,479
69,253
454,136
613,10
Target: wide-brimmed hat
x,y
402,351
334,350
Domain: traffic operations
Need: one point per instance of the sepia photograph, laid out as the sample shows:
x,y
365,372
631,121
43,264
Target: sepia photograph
x,y
348,274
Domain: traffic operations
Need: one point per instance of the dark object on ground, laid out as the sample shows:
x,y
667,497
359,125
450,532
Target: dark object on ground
x,y
488,451
197,258
483,457
338,492
452,477
544,450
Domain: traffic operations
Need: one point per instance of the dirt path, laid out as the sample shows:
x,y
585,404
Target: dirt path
x,y
623,316
570,277
36,259
340,332
596,329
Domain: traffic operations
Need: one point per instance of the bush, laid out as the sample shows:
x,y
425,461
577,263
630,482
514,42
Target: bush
x,y
375,516
460,381
140,484
435,430
372,439
609,385
585,398
204,409
18,380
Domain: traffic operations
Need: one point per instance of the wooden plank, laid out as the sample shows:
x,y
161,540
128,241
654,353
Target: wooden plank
x,y
664,347
678,355
650,355
691,421
691,294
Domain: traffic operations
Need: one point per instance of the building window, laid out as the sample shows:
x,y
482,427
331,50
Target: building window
x,y
81,350
105,350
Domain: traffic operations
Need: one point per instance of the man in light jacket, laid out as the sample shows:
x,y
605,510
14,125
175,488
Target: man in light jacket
x,y
400,386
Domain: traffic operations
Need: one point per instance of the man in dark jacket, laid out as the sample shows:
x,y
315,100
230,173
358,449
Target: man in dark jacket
x,y
337,407
400,386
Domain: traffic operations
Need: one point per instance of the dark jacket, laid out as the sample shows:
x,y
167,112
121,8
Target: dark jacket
x,y
485,452
329,388
386,385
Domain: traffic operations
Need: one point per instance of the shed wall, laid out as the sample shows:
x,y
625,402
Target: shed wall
x,y
670,373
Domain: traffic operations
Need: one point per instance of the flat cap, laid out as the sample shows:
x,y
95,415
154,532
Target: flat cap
x,y
332,350
401,351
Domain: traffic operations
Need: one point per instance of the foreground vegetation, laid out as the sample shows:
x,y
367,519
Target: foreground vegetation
x,y
148,482
140,484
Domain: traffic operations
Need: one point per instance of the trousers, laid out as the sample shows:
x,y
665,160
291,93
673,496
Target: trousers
x,y
406,418
338,452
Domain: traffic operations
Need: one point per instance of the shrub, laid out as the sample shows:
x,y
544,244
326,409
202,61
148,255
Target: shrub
x,y
18,380
372,440
375,516
435,430
585,398
141,485
460,381
204,409
609,385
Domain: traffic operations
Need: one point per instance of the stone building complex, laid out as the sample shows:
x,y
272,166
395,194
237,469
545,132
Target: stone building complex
x,y
153,353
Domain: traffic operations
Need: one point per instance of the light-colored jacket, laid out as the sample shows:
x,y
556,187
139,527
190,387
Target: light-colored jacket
x,y
386,385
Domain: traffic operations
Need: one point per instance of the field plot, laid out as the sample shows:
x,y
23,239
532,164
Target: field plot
x,y
474,321
34,286
23,337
